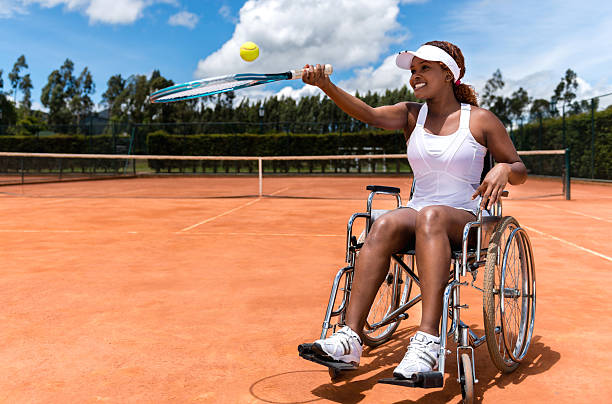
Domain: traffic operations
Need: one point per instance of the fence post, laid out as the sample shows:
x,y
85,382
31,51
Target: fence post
x,y
567,174
564,131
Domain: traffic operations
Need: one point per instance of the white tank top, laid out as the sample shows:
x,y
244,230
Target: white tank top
x,y
446,169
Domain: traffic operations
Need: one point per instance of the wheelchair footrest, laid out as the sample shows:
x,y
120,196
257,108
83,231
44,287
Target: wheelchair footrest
x,y
425,380
306,352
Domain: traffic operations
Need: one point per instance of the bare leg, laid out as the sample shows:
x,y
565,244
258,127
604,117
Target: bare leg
x,y
389,234
437,229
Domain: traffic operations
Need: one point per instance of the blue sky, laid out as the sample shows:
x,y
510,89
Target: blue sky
x,y
533,43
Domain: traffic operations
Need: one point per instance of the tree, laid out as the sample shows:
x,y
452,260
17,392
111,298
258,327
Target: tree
x,y
565,91
8,114
517,104
497,104
583,106
25,85
493,85
56,93
14,76
115,86
540,109
66,96
80,103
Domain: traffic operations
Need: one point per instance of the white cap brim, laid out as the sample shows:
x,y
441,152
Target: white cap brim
x,y
431,53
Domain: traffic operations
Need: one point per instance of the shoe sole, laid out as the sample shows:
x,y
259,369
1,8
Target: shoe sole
x,y
318,350
401,376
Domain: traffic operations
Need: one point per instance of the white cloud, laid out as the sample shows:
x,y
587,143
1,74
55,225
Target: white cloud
x,y
386,76
523,37
226,12
9,8
185,19
115,11
291,33
104,11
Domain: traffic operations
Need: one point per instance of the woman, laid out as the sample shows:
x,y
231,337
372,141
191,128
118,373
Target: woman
x,y
447,138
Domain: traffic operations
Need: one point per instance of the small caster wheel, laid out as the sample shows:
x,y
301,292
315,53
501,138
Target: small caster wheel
x,y
334,374
467,379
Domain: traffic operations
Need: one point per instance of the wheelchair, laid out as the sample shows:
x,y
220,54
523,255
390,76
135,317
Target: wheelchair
x,y
502,250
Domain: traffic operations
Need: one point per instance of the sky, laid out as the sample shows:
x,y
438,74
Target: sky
x,y
532,43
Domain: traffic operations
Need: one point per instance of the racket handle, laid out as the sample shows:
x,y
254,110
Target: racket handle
x,y
297,74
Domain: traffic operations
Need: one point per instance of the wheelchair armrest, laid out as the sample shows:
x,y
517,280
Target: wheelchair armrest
x,y
382,188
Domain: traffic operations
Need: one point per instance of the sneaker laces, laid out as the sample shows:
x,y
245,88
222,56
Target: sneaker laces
x,y
418,350
343,336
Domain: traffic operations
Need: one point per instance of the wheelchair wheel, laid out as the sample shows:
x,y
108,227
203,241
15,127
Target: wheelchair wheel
x,y
394,290
466,378
509,295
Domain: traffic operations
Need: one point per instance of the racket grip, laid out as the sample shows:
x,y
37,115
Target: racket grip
x,y
297,74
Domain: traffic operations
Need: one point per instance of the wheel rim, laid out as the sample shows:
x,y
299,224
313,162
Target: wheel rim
x,y
516,295
384,303
498,329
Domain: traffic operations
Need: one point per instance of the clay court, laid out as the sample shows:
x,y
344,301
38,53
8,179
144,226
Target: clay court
x,y
183,290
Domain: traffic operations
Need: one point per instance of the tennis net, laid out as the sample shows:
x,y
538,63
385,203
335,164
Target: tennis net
x,y
299,176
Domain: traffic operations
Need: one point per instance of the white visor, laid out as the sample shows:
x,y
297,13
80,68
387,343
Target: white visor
x,y
431,53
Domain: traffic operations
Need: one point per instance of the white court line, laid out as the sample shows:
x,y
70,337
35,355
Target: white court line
x,y
228,212
89,231
575,212
261,234
279,191
569,243
210,219
47,231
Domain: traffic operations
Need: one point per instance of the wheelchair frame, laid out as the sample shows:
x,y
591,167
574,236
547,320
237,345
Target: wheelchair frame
x,y
463,261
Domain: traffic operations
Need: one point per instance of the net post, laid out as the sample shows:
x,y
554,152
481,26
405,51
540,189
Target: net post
x,y
592,138
567,174
260,174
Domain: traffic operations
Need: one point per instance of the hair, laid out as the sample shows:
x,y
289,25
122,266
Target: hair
x,y
463,92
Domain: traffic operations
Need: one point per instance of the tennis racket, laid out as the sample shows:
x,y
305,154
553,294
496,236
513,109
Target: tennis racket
x,y
222,84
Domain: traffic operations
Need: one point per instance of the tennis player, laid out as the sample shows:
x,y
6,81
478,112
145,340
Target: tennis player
x,y
447,138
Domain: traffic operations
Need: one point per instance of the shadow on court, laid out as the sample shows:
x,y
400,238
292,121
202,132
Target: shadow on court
x,y
351,387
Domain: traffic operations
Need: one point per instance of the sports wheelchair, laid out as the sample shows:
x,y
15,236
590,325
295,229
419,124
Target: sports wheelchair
x,y
501,247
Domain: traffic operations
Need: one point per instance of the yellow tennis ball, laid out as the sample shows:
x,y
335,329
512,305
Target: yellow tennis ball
x,y
249,51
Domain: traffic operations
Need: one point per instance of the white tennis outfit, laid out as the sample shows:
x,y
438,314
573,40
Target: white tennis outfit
x,y
446,169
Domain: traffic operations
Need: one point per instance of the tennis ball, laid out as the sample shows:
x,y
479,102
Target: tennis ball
x,y
249,51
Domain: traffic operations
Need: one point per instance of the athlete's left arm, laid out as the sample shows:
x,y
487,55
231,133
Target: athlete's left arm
x,y
509,167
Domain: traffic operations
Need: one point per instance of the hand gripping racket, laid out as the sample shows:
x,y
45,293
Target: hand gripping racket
x,y
222,84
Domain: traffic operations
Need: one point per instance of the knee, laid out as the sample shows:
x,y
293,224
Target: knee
x,y
382,232
430,220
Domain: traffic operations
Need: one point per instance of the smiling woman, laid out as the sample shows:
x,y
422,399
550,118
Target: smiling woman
x,y
447,139
450,58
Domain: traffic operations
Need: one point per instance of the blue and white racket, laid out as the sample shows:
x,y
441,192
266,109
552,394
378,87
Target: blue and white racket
x,y
216,85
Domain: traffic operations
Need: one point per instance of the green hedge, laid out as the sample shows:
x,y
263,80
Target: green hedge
x,y
578,138
268,145
99,144
272,144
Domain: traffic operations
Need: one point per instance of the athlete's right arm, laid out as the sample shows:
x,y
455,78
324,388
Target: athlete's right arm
x,y
392,117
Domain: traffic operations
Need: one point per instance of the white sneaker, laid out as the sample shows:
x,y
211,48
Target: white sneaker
x,y
343,345
421,356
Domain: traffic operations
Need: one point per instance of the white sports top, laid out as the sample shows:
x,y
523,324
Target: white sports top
x,y
446,169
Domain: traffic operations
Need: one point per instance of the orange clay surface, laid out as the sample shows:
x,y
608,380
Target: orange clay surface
x,y
141,291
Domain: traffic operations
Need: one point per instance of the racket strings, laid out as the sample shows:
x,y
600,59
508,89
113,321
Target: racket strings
x,y
211,88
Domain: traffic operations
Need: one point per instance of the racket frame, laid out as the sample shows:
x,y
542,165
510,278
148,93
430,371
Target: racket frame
x,y
249,79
